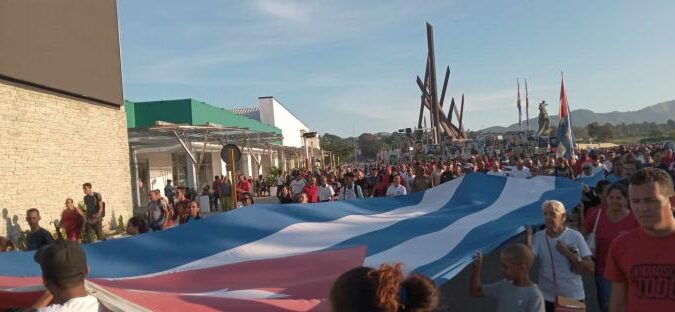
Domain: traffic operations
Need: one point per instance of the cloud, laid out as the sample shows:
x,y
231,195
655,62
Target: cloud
x,y
287,10
369,109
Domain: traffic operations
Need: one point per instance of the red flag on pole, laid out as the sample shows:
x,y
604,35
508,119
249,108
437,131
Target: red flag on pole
x,y
565,138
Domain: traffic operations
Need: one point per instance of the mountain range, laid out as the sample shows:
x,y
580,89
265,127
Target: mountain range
x,y
658,113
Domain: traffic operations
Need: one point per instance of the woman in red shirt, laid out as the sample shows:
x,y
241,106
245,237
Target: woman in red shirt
x,y
243,190
612,221
71,220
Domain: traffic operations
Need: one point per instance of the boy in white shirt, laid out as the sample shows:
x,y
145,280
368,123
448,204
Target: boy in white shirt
x,y
515,292
64,267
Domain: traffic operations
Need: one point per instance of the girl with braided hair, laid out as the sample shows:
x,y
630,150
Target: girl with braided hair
x,y
383,290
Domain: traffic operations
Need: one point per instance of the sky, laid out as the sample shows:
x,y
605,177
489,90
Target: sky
x,y
347,67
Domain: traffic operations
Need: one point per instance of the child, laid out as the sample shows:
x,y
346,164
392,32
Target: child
x,y
4,244
516,292
385,289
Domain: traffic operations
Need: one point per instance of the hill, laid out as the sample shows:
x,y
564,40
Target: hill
x,y
658,113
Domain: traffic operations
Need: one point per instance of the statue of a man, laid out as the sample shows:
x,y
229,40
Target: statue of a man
x,y
543,119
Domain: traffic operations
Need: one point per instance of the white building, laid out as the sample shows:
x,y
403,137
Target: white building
x,y
271,112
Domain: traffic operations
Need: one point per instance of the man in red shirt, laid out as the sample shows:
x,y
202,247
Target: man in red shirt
x,y
312,190
641,263
181,207
579,164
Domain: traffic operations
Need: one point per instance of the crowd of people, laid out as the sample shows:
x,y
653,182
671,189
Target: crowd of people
x,y
380,179
633,203
622,238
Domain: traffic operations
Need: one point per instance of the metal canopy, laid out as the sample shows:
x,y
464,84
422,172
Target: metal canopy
x,y
165,134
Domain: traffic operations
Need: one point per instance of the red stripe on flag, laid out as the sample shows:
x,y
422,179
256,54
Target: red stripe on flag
x,y
18,299
564,108
305,280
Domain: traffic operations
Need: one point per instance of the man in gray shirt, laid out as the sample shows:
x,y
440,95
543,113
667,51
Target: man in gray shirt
x,y
515,292
225,193
157,212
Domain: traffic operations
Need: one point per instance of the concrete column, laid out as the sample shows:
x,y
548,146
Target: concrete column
x,y
136,191
261,166
192,174
223,166
219,166
249,167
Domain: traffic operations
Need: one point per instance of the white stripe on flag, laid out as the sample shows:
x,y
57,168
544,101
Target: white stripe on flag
x,y
424,249
305,237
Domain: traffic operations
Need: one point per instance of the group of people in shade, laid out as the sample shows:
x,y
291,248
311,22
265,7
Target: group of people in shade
x,y
84,224
180,205
75,221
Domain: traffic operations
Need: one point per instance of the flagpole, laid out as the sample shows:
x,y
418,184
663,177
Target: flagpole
x,y
527,108
520,114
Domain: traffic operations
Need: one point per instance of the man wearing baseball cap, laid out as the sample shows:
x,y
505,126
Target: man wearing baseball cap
x,y
64,267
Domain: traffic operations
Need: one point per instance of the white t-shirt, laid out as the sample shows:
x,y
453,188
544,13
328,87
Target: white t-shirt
x,y
599,168
81,304
297,186
326,192
351,192
608,165
436,177
523,174
569,282
394,190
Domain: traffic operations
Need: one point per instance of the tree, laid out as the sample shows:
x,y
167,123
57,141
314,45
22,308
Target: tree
x,y
370,145
341,147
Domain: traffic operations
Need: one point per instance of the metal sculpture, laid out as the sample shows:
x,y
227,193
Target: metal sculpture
x,y
440,123
543,120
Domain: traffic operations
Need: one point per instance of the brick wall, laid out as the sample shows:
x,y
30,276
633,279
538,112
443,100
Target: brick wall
x,y
50,145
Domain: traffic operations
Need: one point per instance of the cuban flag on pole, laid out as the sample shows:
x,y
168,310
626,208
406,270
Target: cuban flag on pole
x,y
565,139
286,257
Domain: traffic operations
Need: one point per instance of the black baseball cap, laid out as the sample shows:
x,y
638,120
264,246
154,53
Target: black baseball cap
x,y
62,260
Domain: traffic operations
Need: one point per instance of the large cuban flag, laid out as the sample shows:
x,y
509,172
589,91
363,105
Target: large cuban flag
x,y
285,257
565,139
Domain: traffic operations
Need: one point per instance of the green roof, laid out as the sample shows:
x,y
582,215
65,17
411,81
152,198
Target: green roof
x,y
188,111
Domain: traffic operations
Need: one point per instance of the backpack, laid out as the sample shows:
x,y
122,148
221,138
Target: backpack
x,y
358,192
99,199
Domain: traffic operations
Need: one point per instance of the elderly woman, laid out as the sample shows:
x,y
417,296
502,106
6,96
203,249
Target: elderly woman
x,y
562,255
608,224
